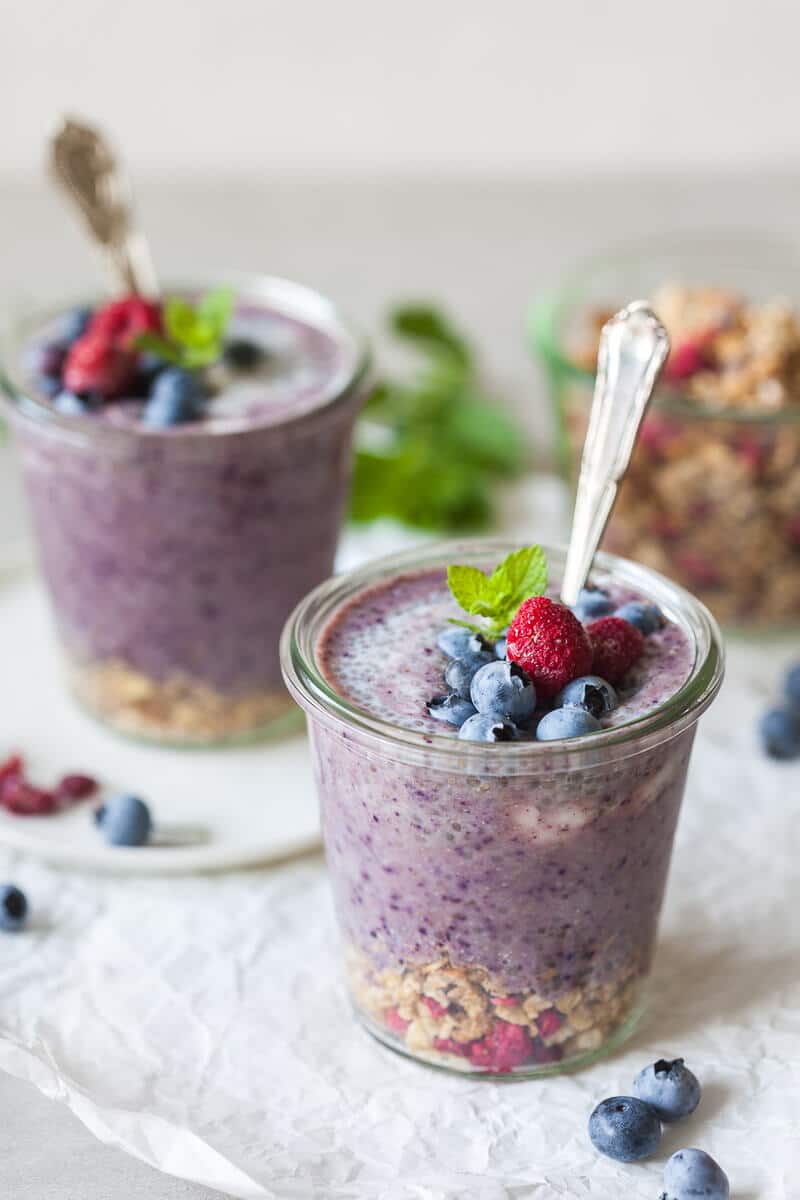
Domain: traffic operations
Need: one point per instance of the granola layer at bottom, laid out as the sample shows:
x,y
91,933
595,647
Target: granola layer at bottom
x,y
461,1018
178,708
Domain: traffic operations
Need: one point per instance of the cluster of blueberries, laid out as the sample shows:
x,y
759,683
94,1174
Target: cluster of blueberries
x,y
628,1129
491,699
779,727
174,395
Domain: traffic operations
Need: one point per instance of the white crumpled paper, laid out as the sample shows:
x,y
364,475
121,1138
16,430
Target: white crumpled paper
x,y
201,1023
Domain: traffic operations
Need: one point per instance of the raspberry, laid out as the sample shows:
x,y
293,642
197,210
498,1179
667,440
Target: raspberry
x,y
12,768
434,1007
504,1047
548,1022
394,1021
121,321
76,787
25,800
616,646
96,365
548,641
686,360
449,1046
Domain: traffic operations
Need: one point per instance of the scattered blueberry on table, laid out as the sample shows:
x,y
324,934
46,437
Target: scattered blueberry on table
x,y
125,821
670,1087
779,726
692,1174
13,908
625,1128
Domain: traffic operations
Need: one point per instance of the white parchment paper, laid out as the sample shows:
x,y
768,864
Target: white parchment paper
x,y
201,1023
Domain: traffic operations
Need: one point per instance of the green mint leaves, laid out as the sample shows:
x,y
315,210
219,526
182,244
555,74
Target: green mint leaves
x,y
430,448
497,597
193,333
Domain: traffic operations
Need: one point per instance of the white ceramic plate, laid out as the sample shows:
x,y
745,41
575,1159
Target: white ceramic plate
x,y
223,808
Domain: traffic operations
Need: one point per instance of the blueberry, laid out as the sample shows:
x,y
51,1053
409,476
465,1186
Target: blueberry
x,y
45,360
625,1129
480,728
450,708
566,723
693,1175
147,368
13,908
670,1087
500,648
646,617
243,355
457,642
72,404
502,689
177,396
125,821
591,692
779,729
459,672
792,686
73,324
592,603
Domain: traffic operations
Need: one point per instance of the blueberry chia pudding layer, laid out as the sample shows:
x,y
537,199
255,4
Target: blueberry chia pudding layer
x,y
186,462
498,903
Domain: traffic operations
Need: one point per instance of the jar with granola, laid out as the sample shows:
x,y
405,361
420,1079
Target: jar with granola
x,y
498,902
712,497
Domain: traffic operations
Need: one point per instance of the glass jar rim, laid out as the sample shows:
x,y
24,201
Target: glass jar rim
x,y
295,299
546,315
321,701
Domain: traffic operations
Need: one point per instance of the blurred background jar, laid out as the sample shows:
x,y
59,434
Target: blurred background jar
x,y
713,495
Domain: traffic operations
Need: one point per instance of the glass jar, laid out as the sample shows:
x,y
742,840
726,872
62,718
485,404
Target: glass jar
x,y
174,555
712,498
498,903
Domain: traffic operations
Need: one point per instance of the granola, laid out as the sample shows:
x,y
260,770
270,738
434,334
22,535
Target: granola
x,y
712,497
460,1017
176,709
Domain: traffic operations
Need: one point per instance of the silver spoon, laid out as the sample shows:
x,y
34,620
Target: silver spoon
x,y
633,348
83,165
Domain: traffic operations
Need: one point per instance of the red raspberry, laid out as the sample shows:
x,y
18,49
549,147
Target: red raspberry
x,y
686,359
548,641
123,320
394,1021
94,364
436,1009
12,768
449,1046
548,1022
76,787
616,646
25,800
504,1047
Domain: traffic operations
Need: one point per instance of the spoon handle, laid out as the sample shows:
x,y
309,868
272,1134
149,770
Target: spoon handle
x,y
633,348
83,165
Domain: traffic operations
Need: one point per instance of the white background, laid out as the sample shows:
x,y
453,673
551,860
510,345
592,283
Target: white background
x,y
509,85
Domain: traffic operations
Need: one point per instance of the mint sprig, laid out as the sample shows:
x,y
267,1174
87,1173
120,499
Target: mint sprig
x,y
496,597
431,447
193,333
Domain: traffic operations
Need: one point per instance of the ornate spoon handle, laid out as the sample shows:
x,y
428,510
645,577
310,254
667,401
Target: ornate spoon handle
x,y
83,165
633,348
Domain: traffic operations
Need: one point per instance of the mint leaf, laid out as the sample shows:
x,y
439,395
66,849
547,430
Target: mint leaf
x,y
152,343
521,575
496,597
425,325
216,308
472,590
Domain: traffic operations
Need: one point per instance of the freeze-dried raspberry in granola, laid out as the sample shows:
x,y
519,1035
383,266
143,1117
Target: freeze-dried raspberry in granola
x,y
503,1048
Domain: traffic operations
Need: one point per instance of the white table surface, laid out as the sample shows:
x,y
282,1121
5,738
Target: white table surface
x,y
484,246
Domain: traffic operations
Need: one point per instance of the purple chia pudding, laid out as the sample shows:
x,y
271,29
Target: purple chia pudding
x,y
498,903
174,555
